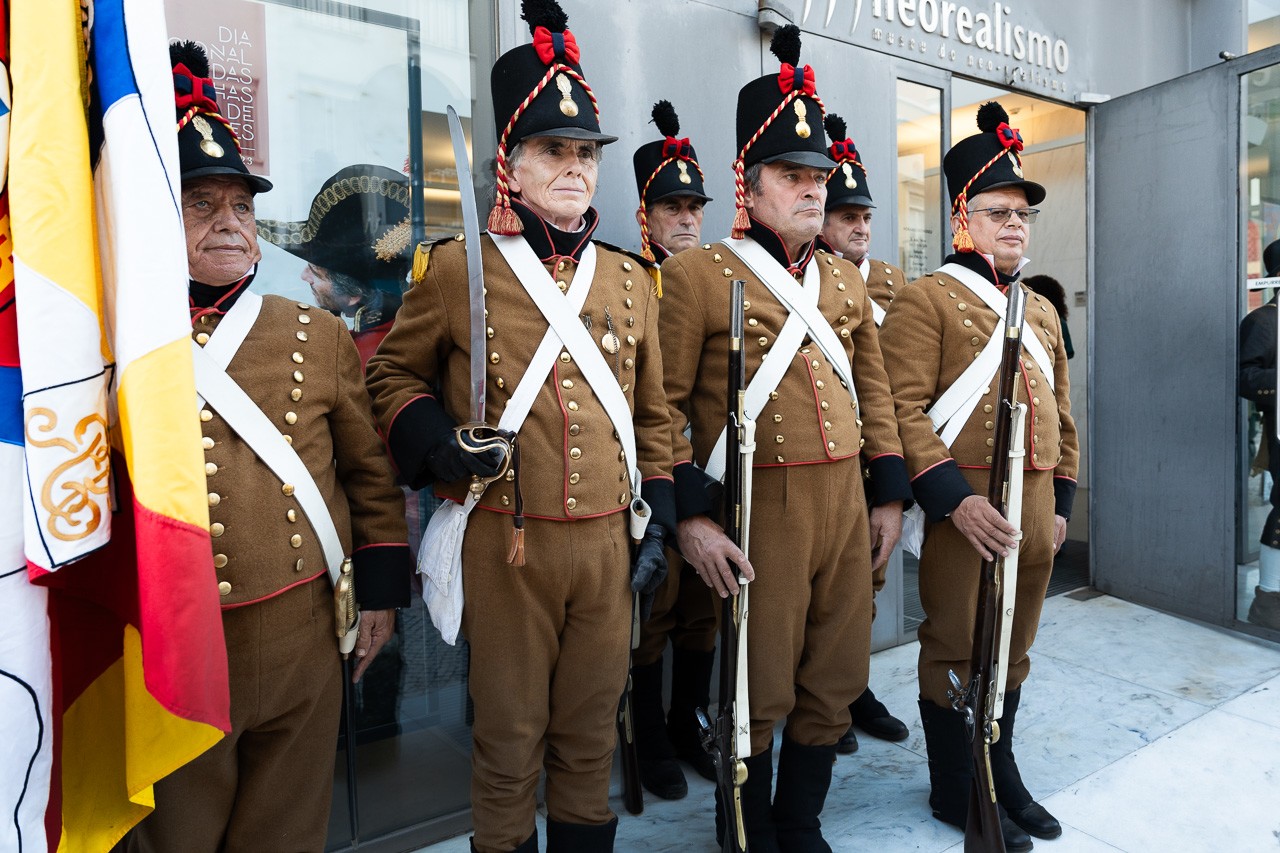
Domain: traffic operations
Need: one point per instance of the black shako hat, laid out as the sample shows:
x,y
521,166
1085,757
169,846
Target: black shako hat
x,y
206,143
539,90
779,118
848,183
665,168
358,225
985,161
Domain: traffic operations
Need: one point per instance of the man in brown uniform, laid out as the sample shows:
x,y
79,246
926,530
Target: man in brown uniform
x,y
936,329
672,195
846,232
549,640
269,552
818,391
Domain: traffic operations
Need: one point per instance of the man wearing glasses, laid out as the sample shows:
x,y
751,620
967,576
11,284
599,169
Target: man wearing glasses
x,y
932,338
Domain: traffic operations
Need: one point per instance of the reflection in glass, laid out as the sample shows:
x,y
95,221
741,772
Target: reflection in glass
x,y
1258,460
320,90
921,232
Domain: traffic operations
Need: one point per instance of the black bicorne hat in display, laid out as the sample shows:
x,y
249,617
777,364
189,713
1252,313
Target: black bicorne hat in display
x,y
539,90
779,118
206,143
358,225
985,161
665,168
1271,258
848,183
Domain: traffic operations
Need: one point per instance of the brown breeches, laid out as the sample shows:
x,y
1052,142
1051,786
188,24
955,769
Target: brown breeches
x,y
267,785
685,609
549,647
809,612
949,589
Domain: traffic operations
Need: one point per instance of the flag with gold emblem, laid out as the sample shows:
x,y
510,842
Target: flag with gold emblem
x,y
115,516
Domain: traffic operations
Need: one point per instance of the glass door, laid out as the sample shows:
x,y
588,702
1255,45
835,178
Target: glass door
x,y
334,99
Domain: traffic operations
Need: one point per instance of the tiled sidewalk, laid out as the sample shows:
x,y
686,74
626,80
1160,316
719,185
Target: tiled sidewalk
x,y
1140,731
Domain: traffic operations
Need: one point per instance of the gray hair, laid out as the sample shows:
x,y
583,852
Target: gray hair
x,y
751,178
346,285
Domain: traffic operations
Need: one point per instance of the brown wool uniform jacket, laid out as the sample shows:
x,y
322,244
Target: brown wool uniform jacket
x,y
811,417
300,366
934,329
883,282
571,462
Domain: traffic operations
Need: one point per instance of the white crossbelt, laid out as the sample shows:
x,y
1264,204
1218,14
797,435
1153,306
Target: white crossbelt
x,y
566,324
801,300
440,557
249,422
877,313
951,411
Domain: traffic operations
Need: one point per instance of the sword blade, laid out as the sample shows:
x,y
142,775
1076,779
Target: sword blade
x,y
475,264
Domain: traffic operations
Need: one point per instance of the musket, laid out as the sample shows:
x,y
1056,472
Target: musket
x,y
632,793
977,701
728,741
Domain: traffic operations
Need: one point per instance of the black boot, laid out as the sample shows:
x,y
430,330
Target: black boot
x,y
660,773
848,743
804,777
1012,794
946,740
870,715
529,845
757,809
690,690
580,837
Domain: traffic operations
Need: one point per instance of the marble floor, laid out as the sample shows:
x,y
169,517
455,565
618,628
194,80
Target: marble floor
x,y
1140,731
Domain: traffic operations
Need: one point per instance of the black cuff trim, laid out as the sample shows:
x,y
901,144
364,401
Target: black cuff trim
x,y
382,574
941,489
660,494
693,492
889,481
1064,496
416,430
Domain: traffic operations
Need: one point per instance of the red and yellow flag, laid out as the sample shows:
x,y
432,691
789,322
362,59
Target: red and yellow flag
x,y
115,517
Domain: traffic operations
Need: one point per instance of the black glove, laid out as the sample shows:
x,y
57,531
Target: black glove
x,y
649,568
449,462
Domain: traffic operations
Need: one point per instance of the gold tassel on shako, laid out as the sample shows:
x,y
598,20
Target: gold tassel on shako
x,y
741,222
503,220
516,556
421,259
962,241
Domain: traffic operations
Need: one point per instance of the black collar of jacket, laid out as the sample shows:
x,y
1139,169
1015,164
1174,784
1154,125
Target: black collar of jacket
x,y
977,263
772,243
204,299
550,243
660,252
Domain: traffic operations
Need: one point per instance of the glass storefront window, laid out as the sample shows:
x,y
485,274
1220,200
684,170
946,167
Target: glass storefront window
x,y
1259,458
921,231
1264,24
319,89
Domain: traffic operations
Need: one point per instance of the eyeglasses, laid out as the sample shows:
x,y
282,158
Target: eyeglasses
x,y
1002,214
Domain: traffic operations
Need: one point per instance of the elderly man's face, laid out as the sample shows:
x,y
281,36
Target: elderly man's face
x,y
222,240
1005,241
675,223
790,201
848,230
326,296
556,177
